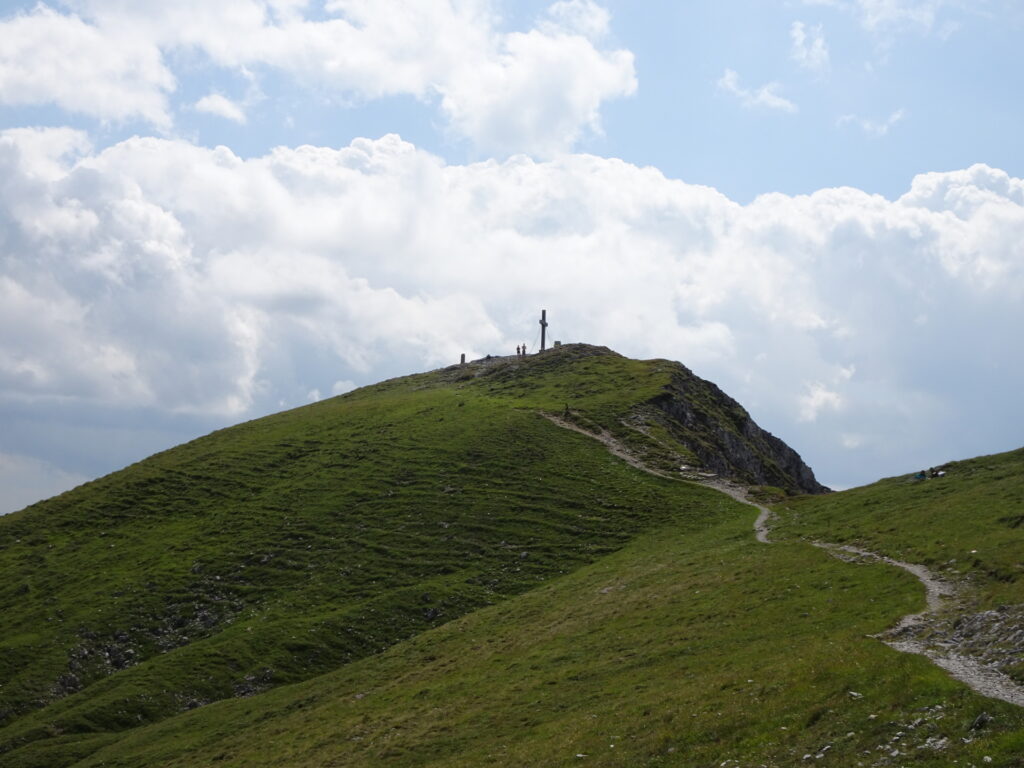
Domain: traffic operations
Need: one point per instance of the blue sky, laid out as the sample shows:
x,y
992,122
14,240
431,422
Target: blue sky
x,y
815,203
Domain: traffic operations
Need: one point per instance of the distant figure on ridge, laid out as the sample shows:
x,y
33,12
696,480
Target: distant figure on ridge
x,y
518,353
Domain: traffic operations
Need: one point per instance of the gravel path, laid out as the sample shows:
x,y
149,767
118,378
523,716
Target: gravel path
x,y
762,525
614,446
940,594
978,676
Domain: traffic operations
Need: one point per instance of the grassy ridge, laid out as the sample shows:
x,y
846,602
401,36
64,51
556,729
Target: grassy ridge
x,y
279,549
684,649
428,572
968,524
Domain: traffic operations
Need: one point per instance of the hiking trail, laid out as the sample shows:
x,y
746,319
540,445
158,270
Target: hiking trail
x,y
940,594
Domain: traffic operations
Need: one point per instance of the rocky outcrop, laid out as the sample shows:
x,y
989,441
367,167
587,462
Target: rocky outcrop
x,y
723,437
706,426
995,637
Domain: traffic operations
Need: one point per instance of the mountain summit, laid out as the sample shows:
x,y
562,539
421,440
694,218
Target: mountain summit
x,y
688,423
287,547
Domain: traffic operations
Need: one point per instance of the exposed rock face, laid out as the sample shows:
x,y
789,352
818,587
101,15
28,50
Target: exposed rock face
x,y
720,432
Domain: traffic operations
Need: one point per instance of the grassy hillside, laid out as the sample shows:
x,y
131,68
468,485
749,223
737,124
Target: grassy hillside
x,y
429,572
968,524
685,648
282,548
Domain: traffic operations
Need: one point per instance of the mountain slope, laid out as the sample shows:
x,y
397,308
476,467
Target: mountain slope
x,y
965,525
685,648
279,549
429,572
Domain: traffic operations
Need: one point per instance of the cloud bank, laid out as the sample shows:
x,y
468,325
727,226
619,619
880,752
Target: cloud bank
x,y
161,276
536,91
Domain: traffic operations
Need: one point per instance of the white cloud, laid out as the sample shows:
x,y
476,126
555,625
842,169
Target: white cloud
x,y
342,386
49,57
817,398
539,95
583,17
872,128
810,51
766,96
160,275
965,193
217,104
536,91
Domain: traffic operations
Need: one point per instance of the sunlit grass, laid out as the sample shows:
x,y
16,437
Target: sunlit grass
x,y
428,572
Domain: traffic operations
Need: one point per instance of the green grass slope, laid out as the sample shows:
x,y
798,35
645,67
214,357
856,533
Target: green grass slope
x,y
685,648
968,524
429,572
279,549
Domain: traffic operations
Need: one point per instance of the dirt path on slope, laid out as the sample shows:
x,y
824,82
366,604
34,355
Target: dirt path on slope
x,y
903,637
940,596
608,440
739,493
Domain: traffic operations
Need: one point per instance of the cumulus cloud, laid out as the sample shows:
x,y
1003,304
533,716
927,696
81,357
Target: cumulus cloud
x,y
48,57
767,96
536,91
541,94
817,398
809,48
158,275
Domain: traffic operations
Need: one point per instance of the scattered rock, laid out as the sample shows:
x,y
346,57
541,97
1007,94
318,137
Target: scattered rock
x,y
981,721
934,742
254,682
